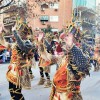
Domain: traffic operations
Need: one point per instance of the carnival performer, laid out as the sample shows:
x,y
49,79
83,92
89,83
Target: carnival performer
x,y
73,68
96,58
18,70
30,69
44,63
58,49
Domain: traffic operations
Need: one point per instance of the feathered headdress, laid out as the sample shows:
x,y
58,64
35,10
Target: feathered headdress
x,y
25,29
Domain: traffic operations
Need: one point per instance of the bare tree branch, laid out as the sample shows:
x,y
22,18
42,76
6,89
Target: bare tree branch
x,y
8,4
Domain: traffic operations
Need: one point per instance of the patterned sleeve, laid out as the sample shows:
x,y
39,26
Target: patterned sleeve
x,y
79,60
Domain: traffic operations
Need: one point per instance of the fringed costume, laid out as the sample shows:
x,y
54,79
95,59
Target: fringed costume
x,y
66,82
18,70
44,62
72,69
96,59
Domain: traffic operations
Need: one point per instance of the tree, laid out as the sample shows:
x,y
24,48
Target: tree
x,y
30,7
5,3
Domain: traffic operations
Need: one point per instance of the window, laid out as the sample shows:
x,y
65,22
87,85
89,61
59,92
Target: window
x,y
54,5
45,5
54,30
44,18
54,19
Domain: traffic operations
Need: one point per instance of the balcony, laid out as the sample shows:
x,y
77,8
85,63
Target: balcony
x,y
85,15
44,6
89,11
44,19
89,21
84,11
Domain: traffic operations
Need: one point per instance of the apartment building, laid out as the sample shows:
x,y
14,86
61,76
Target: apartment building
x,y
57,14
85,13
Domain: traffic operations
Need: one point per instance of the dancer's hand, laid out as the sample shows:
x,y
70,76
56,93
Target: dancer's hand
x,y
14,27
40,36
68,39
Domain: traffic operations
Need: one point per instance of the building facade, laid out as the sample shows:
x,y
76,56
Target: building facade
x,y
9,14
97,36
57,15
91,4
85,14
85,17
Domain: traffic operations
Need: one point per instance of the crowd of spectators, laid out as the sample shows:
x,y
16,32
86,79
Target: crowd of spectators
x,y
5,56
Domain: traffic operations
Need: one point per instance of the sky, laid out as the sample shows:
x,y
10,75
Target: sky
x,y
97,1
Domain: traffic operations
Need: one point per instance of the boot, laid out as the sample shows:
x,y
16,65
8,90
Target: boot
x,y
42,80
31,76
47,84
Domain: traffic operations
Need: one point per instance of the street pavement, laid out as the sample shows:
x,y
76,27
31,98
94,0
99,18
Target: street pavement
x,y
90,86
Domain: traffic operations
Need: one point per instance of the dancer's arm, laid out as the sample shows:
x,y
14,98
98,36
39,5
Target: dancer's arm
x,y
80,60
24,46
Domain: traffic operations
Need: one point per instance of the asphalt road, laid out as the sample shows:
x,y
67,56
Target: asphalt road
x,y
90,86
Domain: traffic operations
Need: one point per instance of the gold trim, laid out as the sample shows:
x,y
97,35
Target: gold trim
x,y
12,78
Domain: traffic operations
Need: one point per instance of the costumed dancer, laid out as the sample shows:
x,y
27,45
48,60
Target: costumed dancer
x,y
58,49
96,58
32,61
73,68
32,64
44,62
18,70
